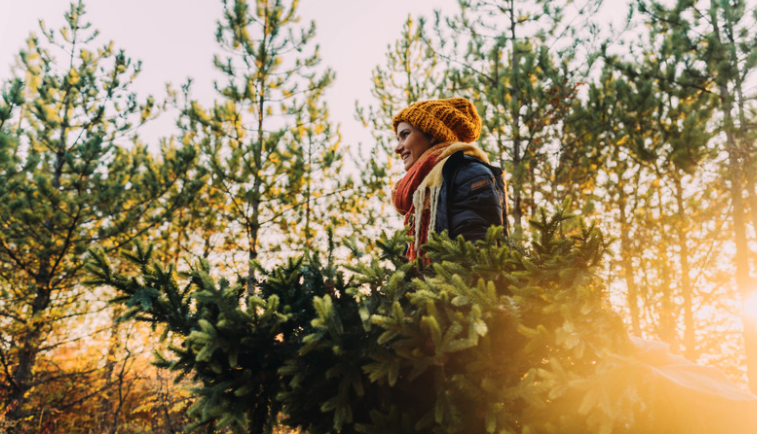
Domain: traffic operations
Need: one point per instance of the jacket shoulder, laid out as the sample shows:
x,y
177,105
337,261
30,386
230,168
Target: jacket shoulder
x,y
472,197
460,169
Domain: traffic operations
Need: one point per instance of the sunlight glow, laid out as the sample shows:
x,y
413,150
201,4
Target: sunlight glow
x,y
750,306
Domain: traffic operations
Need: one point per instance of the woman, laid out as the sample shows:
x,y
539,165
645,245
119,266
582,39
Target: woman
x,y
449,183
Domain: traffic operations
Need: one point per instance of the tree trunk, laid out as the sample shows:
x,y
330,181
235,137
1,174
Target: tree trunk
x,y
632,295
514,91
667,323
735,158
27,353
253,223
29,347
742,257
689,333
253,230
114,344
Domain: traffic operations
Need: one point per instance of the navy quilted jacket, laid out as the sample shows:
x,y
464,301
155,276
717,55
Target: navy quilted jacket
x,y
472,198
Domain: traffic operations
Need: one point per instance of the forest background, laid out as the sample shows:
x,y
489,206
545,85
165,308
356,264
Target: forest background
x,y
646,125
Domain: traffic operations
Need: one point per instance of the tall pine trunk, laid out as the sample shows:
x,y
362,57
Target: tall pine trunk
x,y
741,260
626,252
29,348
253,224
742,249
689,333
517,158
28,351
666,324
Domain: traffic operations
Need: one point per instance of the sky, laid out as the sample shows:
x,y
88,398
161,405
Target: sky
x,y
175,39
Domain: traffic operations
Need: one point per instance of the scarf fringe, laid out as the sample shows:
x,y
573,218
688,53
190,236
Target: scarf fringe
x,y
420,197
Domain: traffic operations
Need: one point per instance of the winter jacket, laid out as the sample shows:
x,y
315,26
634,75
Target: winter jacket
x,y
472,198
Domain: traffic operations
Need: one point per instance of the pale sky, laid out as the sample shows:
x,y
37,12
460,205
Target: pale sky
x,y
175,39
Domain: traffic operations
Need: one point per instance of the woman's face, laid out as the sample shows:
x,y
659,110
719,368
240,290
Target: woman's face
x,y
411,144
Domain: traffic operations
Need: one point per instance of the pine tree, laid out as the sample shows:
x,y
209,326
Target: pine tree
x,y
512,59
720,39
682,144
267,138
69,180
491,337
661,136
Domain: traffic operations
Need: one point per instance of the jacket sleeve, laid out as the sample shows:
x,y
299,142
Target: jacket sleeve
x,y
474,203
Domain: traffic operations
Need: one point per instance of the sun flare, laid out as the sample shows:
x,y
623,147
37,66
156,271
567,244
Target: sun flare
x,y
750,306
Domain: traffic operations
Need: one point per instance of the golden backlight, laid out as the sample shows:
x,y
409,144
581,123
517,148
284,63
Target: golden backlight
x,y
750,306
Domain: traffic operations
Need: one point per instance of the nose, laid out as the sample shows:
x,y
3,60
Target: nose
x,y
398,148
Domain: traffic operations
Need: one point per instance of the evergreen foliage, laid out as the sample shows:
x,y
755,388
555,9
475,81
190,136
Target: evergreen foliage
x,y
518,62
69,178
494,337
676,153
660,130
271,153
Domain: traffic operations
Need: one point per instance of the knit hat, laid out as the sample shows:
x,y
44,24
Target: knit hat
x,y
448,120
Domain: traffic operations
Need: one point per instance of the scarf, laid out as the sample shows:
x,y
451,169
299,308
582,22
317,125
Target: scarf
x,y
416,195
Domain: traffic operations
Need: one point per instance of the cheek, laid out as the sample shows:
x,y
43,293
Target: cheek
x,y
419,147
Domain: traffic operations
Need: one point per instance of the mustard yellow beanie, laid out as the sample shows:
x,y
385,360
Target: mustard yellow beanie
x,y
448,120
